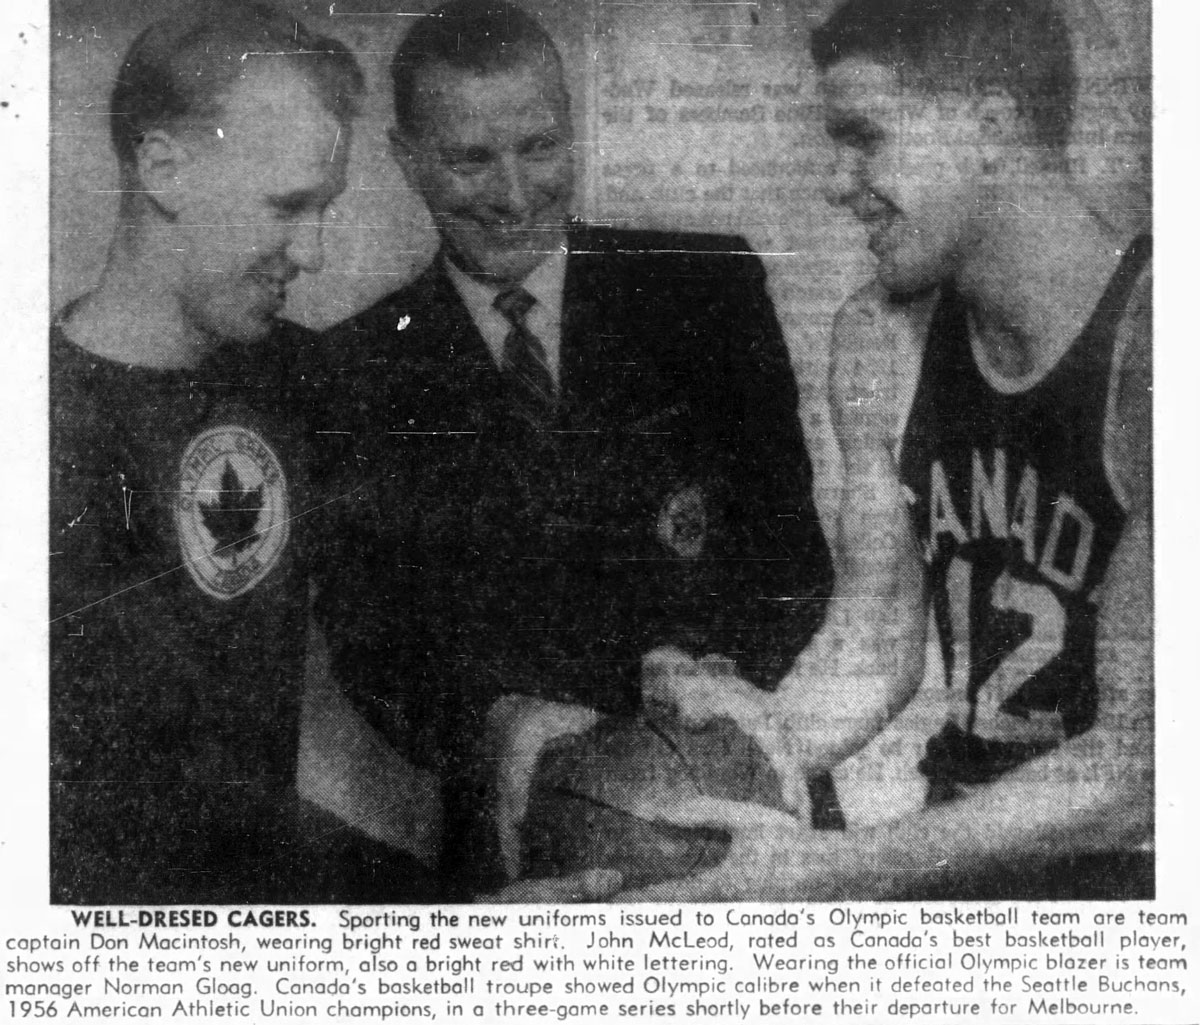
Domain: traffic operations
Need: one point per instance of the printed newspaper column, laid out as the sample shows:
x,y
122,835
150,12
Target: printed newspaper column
x,y
853,963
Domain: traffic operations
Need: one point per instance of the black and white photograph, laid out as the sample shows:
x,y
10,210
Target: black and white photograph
x,y
563,452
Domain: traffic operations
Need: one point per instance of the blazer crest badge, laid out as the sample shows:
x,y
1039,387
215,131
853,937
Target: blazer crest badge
x,y
683,523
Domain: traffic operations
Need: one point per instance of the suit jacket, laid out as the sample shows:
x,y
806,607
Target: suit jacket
x,y
667,500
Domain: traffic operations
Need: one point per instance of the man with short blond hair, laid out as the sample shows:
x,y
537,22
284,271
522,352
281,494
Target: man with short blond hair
x,y
180,502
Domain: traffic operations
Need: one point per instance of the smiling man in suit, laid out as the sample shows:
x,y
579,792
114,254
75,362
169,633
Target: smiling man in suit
x,y
570,446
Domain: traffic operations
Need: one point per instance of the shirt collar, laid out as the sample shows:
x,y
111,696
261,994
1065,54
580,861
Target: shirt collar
x,y
545,283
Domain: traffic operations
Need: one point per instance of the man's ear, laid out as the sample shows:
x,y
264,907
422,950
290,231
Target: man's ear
x,y
160,159
995,113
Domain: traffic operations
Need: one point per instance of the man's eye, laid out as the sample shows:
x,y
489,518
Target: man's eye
x,y
853,140
470,162
542,148
287,211
868,143
857,137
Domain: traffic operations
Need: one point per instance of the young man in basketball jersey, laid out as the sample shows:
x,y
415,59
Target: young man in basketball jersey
x,y
180,516
990,391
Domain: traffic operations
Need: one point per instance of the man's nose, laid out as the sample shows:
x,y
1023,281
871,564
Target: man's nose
x,y
510,188
306,248
843,179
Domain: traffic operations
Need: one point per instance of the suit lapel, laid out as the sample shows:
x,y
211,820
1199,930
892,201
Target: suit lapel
x,y
464,345
588,300
448,346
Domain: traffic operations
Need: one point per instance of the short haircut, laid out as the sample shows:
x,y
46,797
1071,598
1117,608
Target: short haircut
x,y
1022,47
479,36
178,72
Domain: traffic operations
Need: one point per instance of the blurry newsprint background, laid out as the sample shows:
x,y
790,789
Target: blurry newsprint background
x,y
689,117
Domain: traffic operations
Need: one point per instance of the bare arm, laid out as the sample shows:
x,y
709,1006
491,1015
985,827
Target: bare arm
x,y
865,664
1091,794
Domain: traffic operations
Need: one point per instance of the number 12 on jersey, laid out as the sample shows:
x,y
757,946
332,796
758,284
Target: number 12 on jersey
x,y
1002,637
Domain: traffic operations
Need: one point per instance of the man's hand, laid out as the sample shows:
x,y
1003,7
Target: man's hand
x,y
766,859
519,729
586,887
697,692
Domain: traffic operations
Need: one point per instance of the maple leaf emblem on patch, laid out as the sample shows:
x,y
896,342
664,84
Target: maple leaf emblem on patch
x,y
231,514
231,519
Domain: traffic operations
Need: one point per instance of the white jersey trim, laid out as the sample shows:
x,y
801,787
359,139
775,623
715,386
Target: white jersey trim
x,y
1108,443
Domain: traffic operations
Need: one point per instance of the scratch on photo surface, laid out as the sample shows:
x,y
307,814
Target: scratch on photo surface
x,y
126,500
218,551
374,14
696,252
278,53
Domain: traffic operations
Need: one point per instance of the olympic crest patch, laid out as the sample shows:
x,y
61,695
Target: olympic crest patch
x,y
683,523
232,515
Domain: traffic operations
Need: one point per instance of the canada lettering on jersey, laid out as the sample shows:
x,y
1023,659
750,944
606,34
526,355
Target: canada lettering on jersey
x,y
1061,555
1013,560
1011,498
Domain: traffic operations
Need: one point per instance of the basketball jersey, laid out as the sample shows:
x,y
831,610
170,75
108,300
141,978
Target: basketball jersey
x,y
1013,506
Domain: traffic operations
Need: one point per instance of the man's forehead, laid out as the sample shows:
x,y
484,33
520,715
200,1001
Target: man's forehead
x,y
859,85
273,85
530,89
272,120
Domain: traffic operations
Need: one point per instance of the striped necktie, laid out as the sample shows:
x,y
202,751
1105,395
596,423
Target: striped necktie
x,y
525,363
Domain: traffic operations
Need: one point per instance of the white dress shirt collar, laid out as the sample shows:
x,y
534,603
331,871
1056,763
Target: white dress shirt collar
x,y
544,319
